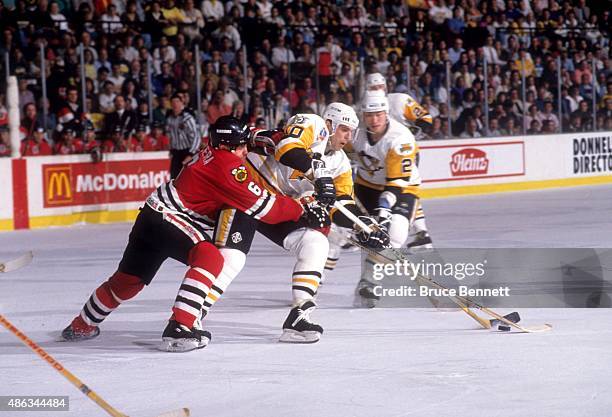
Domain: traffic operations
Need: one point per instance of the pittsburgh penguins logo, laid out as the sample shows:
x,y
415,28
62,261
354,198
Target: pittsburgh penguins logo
x,y
369,163
240,174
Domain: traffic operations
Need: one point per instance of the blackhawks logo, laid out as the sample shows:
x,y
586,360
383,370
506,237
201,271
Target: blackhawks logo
x,y
240,173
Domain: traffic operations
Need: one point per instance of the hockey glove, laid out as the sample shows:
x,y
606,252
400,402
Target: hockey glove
x,y
325,190
315,215
263,142
378,238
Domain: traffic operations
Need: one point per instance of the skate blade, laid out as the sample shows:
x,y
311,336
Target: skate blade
x,y
173,345
293,336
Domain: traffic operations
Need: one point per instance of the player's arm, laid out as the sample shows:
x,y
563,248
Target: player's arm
x,y
292,150
344,195
247,195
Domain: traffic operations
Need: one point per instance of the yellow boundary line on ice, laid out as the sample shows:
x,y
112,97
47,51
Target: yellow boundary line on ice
x,y
512,186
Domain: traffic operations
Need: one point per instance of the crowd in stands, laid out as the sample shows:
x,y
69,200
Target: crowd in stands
x,y
301,54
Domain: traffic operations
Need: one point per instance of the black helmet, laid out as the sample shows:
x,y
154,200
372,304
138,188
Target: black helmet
x,y
229,131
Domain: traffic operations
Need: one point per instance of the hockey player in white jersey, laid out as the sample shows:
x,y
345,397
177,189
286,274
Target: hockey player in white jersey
x,y
303,159
406,110
388,180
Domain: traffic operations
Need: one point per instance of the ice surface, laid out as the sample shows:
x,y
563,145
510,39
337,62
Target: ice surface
x,y
381,362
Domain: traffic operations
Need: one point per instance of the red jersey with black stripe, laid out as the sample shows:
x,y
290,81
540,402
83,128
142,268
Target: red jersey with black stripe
x,y
217,179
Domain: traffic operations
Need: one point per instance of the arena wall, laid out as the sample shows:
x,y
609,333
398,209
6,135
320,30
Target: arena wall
x,y
66,190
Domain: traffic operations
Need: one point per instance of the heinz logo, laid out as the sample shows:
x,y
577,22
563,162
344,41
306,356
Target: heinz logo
x,y
469,161
58,189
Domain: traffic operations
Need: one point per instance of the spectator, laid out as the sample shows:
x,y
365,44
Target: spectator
x,y
471,129
174,17
5,141
90,142
71,115
436,131
25,95
36,144
116,142
121,119
455,52
157,139
110,21
585,115
29,123
549,116
212,10
193,21
217,107
494,130
68,144
281,54
534,127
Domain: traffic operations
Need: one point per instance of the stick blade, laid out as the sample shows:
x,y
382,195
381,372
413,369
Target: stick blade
x,y
537,329
16,263
181,412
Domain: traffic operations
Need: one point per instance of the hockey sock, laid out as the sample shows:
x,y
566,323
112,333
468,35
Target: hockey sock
x,y
233,263
205,265
107,297
419,224
311,249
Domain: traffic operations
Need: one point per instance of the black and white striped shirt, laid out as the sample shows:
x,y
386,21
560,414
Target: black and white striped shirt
x,y
183,132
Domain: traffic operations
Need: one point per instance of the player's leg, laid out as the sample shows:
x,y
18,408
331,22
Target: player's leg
x,y
421,240
141,260
187,242
233,235
310,248
364,292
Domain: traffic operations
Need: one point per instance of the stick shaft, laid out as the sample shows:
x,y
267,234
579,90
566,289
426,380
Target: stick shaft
x,y
60,368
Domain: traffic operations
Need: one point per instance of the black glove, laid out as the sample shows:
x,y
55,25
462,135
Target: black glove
x,y
315,215
325,190
377,239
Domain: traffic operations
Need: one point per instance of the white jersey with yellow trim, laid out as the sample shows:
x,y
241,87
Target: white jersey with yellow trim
x,y
307,131
404,108
389,162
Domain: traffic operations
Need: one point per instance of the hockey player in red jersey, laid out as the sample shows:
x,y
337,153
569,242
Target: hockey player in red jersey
x,y
171,225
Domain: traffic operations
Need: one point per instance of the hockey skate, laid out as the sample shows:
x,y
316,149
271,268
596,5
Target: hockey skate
x,y
79,330
178,338
422,242
364,294
298,328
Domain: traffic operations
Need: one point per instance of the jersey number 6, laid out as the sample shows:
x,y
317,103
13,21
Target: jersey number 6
x,y
254,188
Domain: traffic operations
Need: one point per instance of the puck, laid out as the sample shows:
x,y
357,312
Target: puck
x,y
503,328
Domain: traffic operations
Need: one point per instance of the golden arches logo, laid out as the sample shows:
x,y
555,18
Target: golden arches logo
x,y
58,188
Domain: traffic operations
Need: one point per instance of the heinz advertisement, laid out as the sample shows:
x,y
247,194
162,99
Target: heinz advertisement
x,y
471,161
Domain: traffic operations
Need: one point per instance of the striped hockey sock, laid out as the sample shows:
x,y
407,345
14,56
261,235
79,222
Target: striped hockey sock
x,y
190,298
107,297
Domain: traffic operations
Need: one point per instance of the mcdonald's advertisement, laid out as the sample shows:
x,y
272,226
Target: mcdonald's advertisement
x,y
86,183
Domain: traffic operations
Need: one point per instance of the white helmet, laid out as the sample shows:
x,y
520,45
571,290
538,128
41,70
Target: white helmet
x,y
375,79
374,101
341,114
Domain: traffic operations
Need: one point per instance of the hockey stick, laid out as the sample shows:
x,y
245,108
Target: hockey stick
x,y
20,262
463,302
184,412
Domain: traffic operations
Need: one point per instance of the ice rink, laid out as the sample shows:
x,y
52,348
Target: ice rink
x,y
375,363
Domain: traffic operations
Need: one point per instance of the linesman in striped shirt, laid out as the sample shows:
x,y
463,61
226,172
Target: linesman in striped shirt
x,y
184,136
